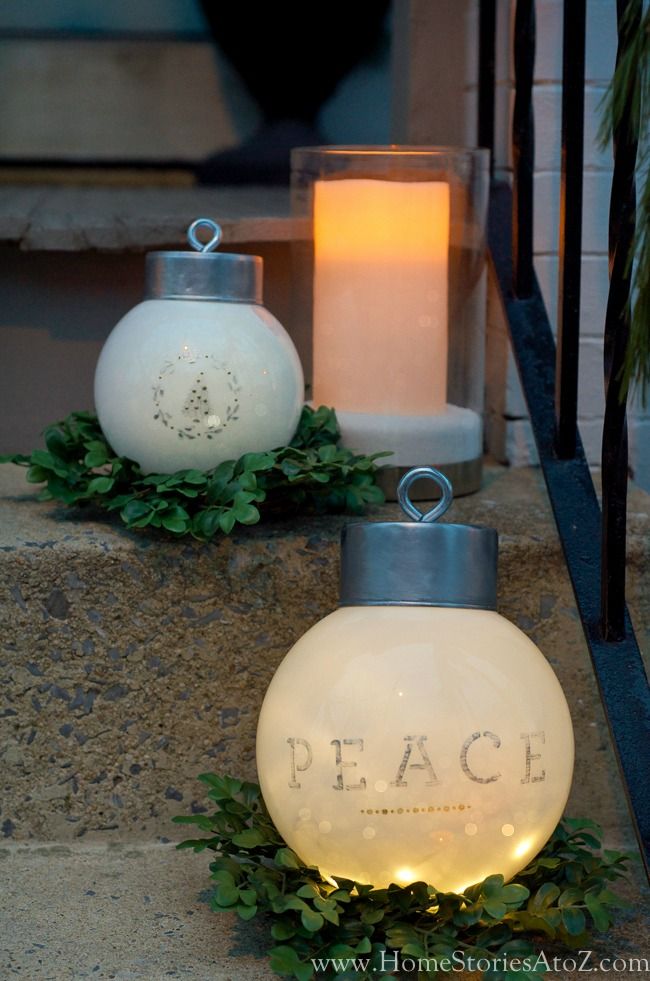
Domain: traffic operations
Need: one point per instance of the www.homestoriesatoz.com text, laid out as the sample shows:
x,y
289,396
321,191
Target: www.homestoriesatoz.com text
x,y
458,960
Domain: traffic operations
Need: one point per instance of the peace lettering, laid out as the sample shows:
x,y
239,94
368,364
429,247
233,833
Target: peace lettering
x,y
414,760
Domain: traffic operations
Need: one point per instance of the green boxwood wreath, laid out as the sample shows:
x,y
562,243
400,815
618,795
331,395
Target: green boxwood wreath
x,y
314,473
493,928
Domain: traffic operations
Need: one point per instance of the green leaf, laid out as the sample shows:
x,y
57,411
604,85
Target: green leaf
x,y
36,475
187,491
42,458
60,489
135,510
225,895
282,930
205,524
311,920
218,481
308,891
401,934
227,521
341,951
535,924
570,896
201,820
18,458
413,950
246,514
573,920
514,894
597,911
341,896
194,477
545,896
248,896
286,962
372,916
304,972
259,462
493,885
287,858
248,482
250,838
223,788
176,519
97,454
56,442
100,485
246,912
495,908
468,916
290,468
327,453
608,898
243,497
283,902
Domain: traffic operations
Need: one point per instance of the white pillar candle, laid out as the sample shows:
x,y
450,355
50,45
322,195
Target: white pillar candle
x,y
380,295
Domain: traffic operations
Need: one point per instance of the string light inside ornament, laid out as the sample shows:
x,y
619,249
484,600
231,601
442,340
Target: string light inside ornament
x,y
414,733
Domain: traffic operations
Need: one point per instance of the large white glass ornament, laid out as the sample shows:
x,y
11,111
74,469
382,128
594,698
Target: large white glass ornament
x,y
415,734
200,372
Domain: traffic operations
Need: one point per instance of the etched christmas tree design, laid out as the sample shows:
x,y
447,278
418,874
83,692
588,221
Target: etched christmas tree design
x,y
196,407
199,417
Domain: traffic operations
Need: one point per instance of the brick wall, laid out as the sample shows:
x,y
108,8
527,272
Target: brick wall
x,y
508,429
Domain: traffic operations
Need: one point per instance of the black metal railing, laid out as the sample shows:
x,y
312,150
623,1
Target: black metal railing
x,y
593,540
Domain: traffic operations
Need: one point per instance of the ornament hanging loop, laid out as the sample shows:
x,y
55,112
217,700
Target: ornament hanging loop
x,y
196,242
428,473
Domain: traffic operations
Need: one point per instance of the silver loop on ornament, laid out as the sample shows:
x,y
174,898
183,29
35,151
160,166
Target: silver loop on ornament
x,y
429,473
196,242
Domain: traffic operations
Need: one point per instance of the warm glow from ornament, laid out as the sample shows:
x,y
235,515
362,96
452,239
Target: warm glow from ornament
x,y
416,742
380,294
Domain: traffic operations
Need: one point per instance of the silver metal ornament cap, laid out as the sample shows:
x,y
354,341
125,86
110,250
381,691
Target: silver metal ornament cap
x,y
399,563
204,274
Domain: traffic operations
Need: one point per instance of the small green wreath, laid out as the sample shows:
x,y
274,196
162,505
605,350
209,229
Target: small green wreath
x,y
348,930
314,473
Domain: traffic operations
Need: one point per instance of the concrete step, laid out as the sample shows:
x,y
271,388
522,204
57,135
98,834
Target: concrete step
x,y
119,912
131,663
140,912
65,218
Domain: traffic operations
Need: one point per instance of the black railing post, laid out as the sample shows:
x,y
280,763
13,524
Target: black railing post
x,y
618,666
487,76
615,456
570,238
523,148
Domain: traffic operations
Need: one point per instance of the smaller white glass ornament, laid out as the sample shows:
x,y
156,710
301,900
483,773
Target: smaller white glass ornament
x,y
199,372
415,734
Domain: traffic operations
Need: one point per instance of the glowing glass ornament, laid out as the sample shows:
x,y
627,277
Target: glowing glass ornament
x,y
200,372
415,734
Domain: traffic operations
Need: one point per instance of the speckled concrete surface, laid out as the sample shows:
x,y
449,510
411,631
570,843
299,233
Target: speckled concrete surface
x,y
118,912
130,664
126,913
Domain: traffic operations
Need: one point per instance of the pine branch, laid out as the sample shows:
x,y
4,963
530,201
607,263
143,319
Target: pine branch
x,y
629,93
